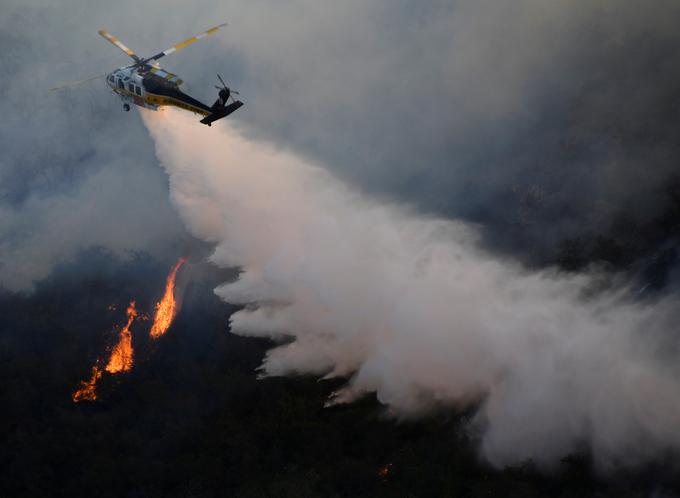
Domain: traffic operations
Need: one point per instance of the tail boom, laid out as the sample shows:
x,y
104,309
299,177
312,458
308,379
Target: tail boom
x,y
219,112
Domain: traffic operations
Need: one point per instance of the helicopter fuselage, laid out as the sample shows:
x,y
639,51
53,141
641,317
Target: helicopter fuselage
x,y
152,87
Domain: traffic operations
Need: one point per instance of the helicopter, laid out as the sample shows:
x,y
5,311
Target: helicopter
x,y
146,84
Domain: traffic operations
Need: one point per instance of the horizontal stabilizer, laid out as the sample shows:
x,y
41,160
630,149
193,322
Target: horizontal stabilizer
x,y
221,113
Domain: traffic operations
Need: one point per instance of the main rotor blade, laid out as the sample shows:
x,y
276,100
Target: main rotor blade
x,y
74,83
184,43
112,39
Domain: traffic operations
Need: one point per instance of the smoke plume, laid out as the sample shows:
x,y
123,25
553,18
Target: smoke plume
x,y
412,309
554,124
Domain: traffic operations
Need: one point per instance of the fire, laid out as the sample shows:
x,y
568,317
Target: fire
x,y
121,358
166,308
384,471
119,361
87,390
121,355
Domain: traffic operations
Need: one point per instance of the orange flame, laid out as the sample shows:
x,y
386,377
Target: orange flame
x,y
166,308
120,361
87,390
121,355
121,358
384,471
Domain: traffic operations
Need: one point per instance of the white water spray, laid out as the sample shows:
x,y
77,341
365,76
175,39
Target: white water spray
x,y
412,309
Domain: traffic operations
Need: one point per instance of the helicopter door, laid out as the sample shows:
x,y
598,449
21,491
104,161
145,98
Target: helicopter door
x,y
137,97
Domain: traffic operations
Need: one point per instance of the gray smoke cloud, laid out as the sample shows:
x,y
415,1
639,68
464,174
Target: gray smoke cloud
x,y
412,309
109,209
542,121
73,173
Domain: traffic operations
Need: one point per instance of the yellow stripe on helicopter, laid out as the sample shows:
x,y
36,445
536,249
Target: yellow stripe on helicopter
x,y
161,100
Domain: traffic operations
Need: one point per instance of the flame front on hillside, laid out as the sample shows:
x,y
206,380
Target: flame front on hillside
x,y
119,361
121,358
166,308
122,353
87,390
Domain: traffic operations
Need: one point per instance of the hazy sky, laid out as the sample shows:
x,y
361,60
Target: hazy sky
x,y
542,120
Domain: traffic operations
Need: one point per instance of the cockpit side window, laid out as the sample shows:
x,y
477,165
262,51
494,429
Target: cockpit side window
x,y
120,84
131,87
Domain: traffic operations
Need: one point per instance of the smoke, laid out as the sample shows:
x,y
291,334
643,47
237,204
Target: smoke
x,y
75,171
410,308
543,121
110,209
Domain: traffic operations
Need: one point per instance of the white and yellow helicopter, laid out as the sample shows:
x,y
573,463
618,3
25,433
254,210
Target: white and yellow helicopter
x,y
145,84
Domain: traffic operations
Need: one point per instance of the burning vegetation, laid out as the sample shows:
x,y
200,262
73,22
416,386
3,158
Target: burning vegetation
x,y
87,390
122,354
384,471
119,361
166,308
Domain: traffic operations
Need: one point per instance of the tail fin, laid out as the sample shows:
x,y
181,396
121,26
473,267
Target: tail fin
x,y
221,111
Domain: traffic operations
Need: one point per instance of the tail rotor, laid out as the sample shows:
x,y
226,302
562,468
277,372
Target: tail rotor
x,y
222,108
225,91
